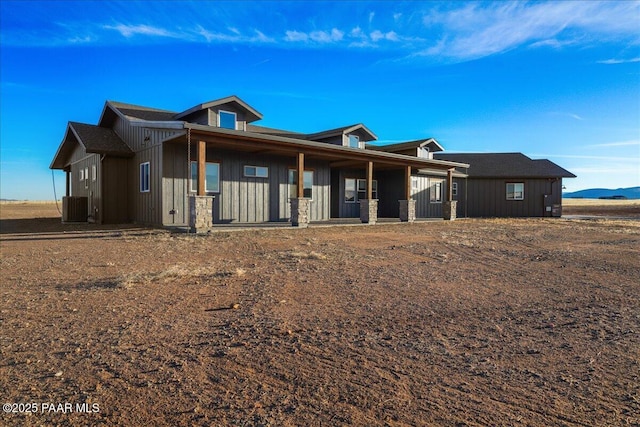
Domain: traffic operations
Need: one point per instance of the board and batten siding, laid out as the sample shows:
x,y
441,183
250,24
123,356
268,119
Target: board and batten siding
x,y
425,208
241,199
147,207
115,182
84,163
487,197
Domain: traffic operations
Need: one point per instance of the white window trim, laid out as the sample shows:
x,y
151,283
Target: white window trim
x,y
454,189
256,168
235,118
193,183
81,174
349,136
86,177
94,173
146,189
514,191
357,182
435,186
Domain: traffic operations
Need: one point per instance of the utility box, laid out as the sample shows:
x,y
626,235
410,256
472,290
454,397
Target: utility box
x,y
556,210
75,209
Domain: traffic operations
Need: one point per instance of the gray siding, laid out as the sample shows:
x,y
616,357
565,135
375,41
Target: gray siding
x,y
425,208
115,182
88,187
144,208
175,173
487,197
241,199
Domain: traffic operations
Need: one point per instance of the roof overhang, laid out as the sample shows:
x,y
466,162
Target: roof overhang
x,y
279,145
72,138
369,136
251,114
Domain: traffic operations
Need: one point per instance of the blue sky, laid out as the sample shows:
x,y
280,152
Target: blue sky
x,y
557,80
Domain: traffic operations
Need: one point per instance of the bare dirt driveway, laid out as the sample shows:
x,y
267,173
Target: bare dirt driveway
x,y
468,323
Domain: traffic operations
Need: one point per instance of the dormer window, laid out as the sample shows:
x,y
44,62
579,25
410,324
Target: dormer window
x,y
354,141
226,119
424,152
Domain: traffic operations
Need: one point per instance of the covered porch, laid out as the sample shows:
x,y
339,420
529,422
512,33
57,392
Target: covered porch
x,y
200,140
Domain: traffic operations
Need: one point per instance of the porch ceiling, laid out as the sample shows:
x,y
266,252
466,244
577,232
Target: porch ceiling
x,y
338,156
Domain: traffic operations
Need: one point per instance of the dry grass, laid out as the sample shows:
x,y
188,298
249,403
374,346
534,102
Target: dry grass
x,y
600,202
176,272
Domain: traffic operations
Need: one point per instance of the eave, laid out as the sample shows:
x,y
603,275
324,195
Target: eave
x,y
270,144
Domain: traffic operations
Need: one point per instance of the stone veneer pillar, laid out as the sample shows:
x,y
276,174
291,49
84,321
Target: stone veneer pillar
x,y
201,213
300,214
449,210
369,211
407,210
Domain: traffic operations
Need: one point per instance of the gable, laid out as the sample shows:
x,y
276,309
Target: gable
x,y
92,139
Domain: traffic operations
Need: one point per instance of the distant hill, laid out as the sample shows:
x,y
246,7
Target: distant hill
x,y
597,193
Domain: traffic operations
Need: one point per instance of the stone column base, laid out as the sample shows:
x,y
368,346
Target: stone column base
x,y
449,210
300,212
407,210
201,213
369,211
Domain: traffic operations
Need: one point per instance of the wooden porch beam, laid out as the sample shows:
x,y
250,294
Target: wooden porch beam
x,y
369,180
300,172
202,165
407,183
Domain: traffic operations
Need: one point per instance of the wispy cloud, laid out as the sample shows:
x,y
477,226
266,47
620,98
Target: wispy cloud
x,y
571,115
146,30
442,31
476,30
619,61
616,144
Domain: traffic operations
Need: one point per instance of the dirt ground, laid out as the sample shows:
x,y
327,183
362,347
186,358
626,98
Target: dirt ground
x,y
532,322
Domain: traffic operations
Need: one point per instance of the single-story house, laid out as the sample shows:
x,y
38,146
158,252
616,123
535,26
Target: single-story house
x,y
211,164
507,185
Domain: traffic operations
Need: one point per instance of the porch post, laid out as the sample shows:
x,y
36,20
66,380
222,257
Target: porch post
x,y
408,205
300,171
369,206
300,205
450,206
407,183
202,164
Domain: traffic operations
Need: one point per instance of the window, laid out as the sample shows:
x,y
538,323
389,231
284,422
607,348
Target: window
x,y
354,141
424,152
81,175
86,177
414,183
144,177
307,184
94,173
226,119
256,172
211,178
454,189
515,191
435,191
356,189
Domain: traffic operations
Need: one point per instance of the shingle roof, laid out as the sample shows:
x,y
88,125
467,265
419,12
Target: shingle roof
x,y
100,140
506,165
273,131
400,146
143,113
